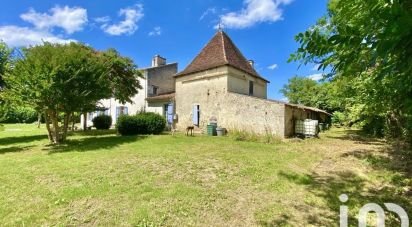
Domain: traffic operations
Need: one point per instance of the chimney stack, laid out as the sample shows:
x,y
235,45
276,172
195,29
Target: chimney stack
x,y
158,61
251,63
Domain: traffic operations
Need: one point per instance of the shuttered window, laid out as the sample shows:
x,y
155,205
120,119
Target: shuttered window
x,y
196,114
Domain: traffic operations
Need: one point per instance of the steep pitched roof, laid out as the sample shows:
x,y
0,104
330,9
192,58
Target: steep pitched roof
x,y
218,52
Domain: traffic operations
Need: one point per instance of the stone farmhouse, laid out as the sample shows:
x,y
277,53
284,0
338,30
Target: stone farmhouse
x,y
220,84
158,87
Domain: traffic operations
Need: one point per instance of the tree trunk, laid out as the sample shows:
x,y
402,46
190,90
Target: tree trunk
x,y
84,121
65,125
38,120
73,121
56,129
49,133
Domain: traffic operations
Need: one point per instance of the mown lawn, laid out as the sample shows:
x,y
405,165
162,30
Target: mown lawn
x,y
99,178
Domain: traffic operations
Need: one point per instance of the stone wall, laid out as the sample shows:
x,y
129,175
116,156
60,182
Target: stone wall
x,y
233,111
202,89
162,77
238,82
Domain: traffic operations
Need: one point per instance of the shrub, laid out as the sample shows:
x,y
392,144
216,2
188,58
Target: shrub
x,y
141,124
102,122
17,115
154,123
129,125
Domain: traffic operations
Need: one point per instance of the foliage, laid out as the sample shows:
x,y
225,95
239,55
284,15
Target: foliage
x,y
102,122
368,45
10,114
129,125
153,122
141,124
63,79
4,61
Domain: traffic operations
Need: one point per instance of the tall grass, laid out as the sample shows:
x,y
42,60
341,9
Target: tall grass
x,y
250,136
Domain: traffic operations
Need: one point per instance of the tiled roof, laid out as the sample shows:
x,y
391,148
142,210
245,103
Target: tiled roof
x,y
161,97
218,52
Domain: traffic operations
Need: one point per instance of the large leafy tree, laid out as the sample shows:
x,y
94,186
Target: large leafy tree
x,y
369,43
4,61
58,79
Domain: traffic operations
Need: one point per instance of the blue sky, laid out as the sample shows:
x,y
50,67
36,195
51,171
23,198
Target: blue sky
x,y
263,30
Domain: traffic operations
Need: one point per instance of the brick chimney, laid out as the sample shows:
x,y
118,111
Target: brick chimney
x,y
158,61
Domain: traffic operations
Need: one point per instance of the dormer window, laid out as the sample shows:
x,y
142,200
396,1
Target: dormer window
x,y
250,87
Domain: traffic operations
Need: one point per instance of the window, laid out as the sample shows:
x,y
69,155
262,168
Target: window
x,y
196,115
121,110
250,87
154,90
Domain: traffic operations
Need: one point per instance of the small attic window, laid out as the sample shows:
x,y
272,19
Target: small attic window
x,y
154,90
251,87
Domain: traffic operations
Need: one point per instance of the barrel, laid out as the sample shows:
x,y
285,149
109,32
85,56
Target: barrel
x,y
211,129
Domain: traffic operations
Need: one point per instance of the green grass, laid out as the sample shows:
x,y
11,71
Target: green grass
x,y
99,178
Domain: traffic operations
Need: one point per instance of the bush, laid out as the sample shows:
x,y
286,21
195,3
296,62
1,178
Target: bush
x,y
17,115
141,124
102,122
154,123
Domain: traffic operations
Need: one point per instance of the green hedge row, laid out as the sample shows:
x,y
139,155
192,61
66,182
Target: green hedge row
x,y
17,115
141,124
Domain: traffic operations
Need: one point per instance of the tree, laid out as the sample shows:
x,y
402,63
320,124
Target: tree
x,y
58,80
300,90
4,61
305,91
370,44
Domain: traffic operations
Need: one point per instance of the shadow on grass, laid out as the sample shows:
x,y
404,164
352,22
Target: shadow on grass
x,y
283,220
13,149
392,159
92,143
358,137
21,139
93,132
330,187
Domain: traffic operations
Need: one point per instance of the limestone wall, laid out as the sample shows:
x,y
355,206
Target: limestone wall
x,y
238,82
202,89
237,111
232,110
162,77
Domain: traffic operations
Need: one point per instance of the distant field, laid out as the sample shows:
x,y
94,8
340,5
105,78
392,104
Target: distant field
x,y
100,178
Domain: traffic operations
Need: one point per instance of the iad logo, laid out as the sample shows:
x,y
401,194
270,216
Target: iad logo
x,y
372,207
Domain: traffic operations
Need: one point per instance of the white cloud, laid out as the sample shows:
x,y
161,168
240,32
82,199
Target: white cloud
x,y
207,12
129,24
317,76
16,36
156,31
272,67
67,18
253,12
102,19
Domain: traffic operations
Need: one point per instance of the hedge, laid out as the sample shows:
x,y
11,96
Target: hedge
x,y
141,124
102,122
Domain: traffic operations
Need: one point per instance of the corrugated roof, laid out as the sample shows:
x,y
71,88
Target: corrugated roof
x,y
220,51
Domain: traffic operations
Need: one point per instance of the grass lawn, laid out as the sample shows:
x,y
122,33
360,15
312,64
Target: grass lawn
x,y
99,178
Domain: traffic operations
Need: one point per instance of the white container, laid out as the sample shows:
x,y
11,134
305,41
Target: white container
x,y
306,127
